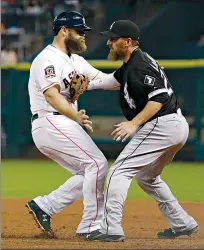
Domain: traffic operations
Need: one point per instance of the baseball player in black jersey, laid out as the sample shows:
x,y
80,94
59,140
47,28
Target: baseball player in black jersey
x,y
158,130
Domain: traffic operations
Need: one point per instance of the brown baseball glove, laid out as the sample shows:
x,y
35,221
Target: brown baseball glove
x,y
79,84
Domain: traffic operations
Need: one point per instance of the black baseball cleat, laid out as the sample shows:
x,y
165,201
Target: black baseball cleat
x,y
42,219
98,236
171,234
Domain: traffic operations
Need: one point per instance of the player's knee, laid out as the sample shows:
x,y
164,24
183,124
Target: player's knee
x,y
146,183
141,183
98,165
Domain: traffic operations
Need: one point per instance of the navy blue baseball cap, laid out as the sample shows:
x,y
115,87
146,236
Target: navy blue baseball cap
x,y
72,19
122,28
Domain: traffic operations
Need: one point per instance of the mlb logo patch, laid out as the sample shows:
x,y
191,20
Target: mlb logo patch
x,y
50,71
149,80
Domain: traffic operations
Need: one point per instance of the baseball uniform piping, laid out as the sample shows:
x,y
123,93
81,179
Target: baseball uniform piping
x,y
91,159
120,166
48,86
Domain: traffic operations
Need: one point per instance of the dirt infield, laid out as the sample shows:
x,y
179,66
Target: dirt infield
x,y
141,221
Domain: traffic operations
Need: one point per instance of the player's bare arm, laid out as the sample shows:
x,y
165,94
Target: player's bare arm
x,y
58,102
126,129
147,113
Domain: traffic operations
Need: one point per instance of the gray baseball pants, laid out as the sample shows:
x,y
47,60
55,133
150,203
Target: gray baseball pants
x,y
152,147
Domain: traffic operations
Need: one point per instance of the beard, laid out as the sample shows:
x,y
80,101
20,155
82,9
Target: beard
x,y
75,45
114,56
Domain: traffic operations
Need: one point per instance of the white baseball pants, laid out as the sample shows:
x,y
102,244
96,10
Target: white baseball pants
x,y
65,142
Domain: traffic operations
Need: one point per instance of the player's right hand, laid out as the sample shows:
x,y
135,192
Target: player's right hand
x,y
83,119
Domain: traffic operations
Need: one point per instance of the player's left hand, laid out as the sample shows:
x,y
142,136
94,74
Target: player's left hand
x,y
83,119
123,131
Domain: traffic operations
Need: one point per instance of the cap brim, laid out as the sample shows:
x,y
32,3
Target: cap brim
x,y
109,34
82,27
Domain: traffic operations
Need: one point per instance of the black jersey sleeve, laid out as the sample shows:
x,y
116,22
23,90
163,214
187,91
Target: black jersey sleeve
x,y
117,75
161,98
154,82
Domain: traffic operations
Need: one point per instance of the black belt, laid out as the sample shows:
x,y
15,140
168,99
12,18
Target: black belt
x,y
36,116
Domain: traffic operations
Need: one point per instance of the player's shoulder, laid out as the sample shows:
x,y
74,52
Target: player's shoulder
x,y
79,58
139,57
48,52
80,61
142,60
45,55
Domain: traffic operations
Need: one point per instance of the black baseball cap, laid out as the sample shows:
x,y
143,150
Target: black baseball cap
x,y
122,28
72,19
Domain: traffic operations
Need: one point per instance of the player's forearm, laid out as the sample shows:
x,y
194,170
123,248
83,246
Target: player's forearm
x,y
104,81
147,113
59,103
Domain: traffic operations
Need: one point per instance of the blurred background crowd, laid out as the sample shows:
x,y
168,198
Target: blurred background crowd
x,y
170,29
26,25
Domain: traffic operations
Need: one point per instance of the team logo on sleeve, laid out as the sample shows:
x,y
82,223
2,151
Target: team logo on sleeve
x,y
149,80
50,71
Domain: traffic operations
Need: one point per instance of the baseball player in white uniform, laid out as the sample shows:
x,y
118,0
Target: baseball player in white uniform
x,y
56,125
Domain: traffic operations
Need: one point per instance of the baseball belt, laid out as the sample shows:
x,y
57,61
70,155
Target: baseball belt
x,y
36,116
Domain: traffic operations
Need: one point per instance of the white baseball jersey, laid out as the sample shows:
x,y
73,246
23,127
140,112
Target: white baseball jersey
x,y
64,140
52,67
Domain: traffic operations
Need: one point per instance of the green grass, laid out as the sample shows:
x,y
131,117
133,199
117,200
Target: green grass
x,y
30,178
